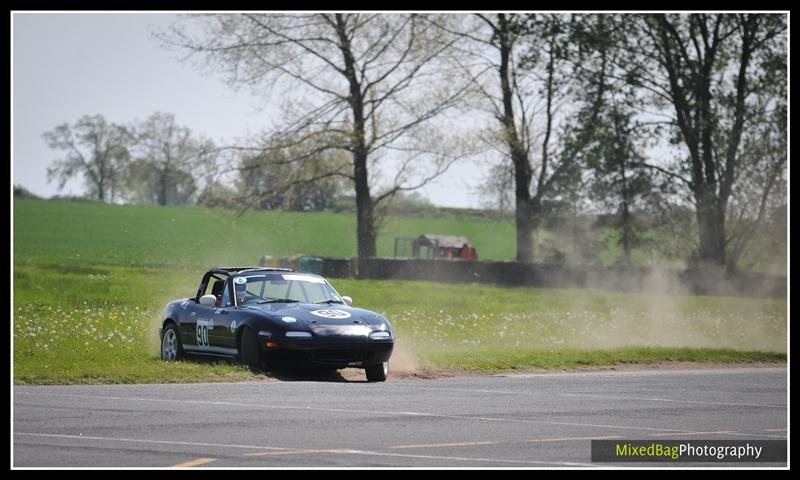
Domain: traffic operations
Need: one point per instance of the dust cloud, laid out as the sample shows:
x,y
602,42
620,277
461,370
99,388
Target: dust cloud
x,y
681,319
402,362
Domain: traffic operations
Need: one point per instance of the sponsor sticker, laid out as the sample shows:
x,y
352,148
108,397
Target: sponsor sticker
x,y
233,326
289,319
329,313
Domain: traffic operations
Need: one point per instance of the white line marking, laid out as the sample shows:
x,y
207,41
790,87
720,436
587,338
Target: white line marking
x,y
470,459
296,452
594,395
376,412
194,463
162,442
578,439
442,445
338,451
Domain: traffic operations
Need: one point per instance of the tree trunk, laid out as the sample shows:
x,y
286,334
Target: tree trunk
x,y
365,221
365,227
101,180
519,156
162,189
627,233
621,154
711,225
524,224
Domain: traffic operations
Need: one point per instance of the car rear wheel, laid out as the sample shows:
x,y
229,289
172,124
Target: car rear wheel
x,y
249,350
171,348
377,372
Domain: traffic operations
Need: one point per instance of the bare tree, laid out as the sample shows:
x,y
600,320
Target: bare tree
x,y
518,61
94,149
761,191
167,159
363,83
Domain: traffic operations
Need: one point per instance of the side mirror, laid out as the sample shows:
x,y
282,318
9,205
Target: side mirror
x,y
347,300
208,300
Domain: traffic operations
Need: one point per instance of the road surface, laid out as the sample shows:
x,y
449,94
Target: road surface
x,y
537,420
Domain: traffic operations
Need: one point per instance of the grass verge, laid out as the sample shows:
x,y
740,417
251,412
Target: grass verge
x,y
99,323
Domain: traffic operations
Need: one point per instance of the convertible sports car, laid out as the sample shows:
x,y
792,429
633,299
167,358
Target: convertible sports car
x,y
263,315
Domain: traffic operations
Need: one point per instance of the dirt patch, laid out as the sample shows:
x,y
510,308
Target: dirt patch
x,y
675,365
620,367
634,367
357,374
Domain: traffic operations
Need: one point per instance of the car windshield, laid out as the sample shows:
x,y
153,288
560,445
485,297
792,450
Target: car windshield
x,y
280,287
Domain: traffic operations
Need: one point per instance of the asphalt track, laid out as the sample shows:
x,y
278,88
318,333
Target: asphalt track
x,y
521,421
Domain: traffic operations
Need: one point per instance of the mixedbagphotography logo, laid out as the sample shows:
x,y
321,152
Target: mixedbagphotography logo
x,y
689,451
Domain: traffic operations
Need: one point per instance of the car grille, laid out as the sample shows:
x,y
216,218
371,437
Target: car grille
x,y
340,356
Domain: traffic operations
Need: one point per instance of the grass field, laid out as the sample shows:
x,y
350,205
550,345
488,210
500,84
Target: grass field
x,y
90,282
151,236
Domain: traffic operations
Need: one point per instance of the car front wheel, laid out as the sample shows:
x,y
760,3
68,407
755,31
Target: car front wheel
x,y
249,350
377,372
171,348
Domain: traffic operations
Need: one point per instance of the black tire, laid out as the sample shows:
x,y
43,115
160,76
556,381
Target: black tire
x,y
171,347
377,372
250,350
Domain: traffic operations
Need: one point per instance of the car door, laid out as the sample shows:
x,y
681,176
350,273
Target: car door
x,y
221,335
199,326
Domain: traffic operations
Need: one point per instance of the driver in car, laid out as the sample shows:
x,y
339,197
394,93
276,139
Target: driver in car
x,y
240,284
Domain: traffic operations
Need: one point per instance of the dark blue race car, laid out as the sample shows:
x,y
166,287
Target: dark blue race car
x,y
265,315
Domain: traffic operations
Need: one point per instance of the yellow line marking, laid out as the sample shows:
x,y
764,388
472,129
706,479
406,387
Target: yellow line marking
x,y
681,434
569,439
444,445
194,463
775,430
295,452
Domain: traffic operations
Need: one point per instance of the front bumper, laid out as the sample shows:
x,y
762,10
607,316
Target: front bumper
x,y
333,354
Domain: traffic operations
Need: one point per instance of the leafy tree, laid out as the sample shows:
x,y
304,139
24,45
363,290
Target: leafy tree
x,y
146,184
167,159
721,75
216,194
273,180
22,192
618,181
609,128
94,149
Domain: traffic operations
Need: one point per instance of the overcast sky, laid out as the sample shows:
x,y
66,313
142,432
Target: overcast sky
x,y
66,65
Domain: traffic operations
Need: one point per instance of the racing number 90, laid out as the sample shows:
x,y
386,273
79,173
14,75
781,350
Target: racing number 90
x,y
202,332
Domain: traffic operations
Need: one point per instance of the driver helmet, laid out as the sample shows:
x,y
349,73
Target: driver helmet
x,y
240,286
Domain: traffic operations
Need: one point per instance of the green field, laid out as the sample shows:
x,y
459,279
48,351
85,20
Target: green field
x,y
91,280
80,233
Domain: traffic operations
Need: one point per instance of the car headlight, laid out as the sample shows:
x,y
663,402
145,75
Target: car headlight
x,y
380,335
298,335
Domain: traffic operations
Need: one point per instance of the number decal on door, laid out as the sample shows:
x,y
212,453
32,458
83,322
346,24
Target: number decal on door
x,y
203,327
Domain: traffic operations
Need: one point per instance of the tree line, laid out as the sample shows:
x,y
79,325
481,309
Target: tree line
x,y
577,112
151,161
